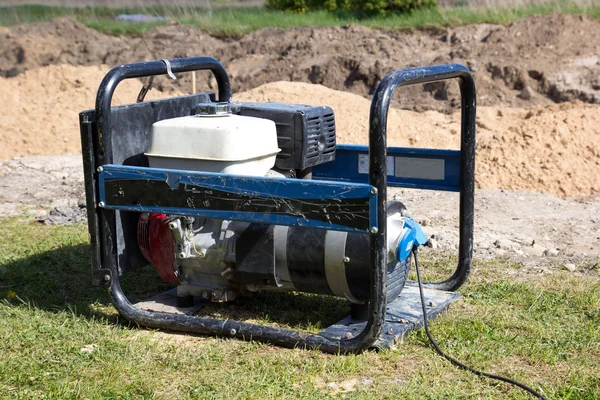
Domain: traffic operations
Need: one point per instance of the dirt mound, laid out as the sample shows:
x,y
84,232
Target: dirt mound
x,y
406,128
550,149
62,41
553,149
39,109
534,61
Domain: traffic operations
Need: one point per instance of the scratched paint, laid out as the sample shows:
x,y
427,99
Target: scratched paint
x,y
337,206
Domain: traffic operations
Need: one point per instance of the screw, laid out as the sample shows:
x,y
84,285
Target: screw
x,y
182,255
100,169
373,190
374,229
346,259
101,204
232,331
348,335
107,277
172,225
431,304
227,273
390,331
205,295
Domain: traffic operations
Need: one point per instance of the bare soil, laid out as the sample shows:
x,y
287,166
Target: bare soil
x,y
39,108
534,61
551,149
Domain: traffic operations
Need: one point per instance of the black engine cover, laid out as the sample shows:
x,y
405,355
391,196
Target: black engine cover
x,y
305,134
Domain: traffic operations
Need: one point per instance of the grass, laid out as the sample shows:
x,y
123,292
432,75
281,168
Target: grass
x,y
239,21
61,338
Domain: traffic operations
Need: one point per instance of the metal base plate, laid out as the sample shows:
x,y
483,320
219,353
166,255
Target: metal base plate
x,y
166,302
403,315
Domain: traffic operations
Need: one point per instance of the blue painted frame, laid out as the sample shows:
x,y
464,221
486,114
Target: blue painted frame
x,y
352,165
254,186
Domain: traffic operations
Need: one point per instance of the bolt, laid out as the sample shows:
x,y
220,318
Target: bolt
x,y
101,204
107,278
373,190
205,295
348,335
374,229
172,225
346,259
215,295
232,331
181,255
227,273
403,321
100,169
431,304
390,331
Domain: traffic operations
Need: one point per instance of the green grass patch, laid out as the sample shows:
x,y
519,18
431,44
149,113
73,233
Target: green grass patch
x,y
61,338
239,21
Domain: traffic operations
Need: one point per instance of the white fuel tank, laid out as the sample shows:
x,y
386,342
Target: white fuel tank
x,y
214,140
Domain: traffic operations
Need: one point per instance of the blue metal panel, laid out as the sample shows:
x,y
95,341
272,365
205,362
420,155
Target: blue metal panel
x,y
407,167
344,206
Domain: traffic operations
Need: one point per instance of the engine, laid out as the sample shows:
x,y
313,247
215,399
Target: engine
x,y
220,259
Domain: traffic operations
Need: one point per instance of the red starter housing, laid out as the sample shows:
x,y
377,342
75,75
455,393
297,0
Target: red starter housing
x,y
157,244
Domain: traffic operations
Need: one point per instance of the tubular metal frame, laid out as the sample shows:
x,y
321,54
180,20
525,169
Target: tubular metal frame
x,y
97,151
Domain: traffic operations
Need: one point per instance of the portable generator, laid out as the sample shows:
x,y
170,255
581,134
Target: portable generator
x,y
229,199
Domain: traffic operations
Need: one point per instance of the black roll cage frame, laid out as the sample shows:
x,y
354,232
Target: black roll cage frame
x,y
96,131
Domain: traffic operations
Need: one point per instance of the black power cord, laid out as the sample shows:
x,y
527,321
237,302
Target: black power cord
x,y
454,360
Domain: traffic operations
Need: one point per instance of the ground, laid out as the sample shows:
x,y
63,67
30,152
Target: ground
x,y
531,309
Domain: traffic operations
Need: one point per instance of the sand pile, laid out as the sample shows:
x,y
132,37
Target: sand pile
x,y
39,109
533,61
551,149
406,128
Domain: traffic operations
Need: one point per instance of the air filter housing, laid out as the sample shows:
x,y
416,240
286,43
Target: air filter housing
x,y
305,134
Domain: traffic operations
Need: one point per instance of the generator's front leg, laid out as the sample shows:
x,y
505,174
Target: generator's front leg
x,y
378,152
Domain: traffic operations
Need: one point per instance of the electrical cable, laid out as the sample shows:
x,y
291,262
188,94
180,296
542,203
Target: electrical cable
x,y
453,360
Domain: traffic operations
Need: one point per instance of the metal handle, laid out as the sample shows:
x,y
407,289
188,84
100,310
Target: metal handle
x,y
378,167
380,105
149,68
